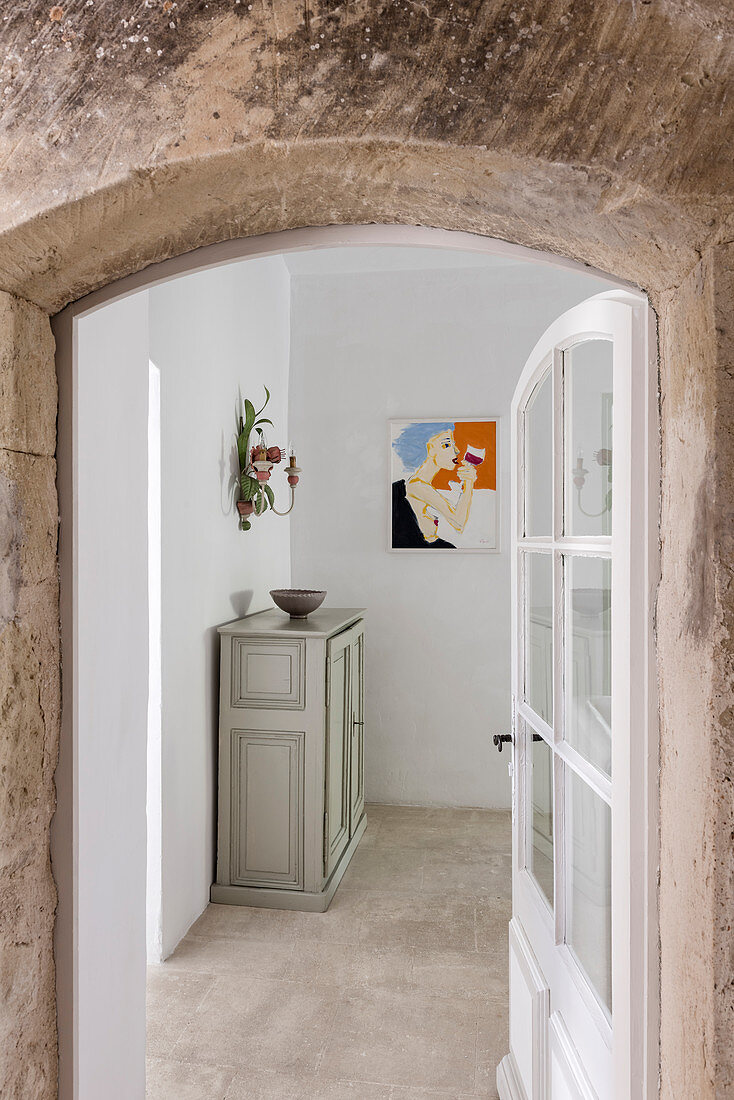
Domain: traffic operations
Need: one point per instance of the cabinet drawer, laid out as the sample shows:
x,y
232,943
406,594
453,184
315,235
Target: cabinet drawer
x,y
268,674
267,808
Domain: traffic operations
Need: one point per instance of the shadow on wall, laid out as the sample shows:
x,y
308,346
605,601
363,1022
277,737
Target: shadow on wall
x,y
240,603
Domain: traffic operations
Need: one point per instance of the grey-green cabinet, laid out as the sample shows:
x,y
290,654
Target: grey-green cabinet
x,y
344,803
291,757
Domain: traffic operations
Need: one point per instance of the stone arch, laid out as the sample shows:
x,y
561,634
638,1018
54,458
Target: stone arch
x,y
154,213
590,213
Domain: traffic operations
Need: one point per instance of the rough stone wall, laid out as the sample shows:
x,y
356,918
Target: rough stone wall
x,y
174,121
694,637
29,700
722,742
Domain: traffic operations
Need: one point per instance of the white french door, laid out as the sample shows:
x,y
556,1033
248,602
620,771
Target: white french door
x,y
581,966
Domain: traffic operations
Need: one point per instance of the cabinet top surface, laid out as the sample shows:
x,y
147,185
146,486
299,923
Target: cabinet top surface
x,y
321,623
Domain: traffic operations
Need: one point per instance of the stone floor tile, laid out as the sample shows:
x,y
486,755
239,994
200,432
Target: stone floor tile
x,y
395,869
429,1094
339,924
235,921
254,1084
170,1080
260,1085
371,832
479,975
430,921
492,916
240,954
172,999
493,1043
450,839
451,875
270,1025
347,966
400,1039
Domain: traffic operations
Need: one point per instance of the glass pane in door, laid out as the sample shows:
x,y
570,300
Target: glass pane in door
x,y
587,373
589,883
588,679
538,634
539,460
540,813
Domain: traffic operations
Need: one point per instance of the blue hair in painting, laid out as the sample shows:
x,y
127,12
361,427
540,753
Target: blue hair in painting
x,y
412,443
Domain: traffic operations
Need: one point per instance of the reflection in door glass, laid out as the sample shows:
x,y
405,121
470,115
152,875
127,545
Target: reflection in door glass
x,y
588,717
589,876
587,391
539,634
539,460
541,818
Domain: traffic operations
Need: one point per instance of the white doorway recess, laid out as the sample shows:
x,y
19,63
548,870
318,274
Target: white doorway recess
x,y
101,824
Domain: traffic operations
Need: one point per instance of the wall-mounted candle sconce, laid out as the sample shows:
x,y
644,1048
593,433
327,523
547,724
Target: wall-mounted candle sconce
x,y
602,457
256,465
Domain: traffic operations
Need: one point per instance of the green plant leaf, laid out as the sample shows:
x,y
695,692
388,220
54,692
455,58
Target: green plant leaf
x,y
264,420
269,494
248,486
267,398
242,455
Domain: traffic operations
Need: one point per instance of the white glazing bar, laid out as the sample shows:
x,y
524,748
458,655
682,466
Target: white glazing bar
x,y
558,445
599,783
528,715
559,848
559,641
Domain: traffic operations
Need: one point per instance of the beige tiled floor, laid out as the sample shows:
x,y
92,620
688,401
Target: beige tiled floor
x,y
398,992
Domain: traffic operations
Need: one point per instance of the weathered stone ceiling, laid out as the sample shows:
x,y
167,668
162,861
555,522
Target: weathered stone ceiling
x,y
637,93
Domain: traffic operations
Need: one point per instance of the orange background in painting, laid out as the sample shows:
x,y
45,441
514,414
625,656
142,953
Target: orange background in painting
x,y
476,434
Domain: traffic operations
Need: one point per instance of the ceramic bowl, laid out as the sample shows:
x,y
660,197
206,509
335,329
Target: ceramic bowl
x,y
297,602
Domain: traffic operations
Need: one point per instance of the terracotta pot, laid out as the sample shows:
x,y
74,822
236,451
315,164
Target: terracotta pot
x,y
245,507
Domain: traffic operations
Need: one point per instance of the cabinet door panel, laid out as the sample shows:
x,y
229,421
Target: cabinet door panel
x,y
356,783
267,801
268,674
338,736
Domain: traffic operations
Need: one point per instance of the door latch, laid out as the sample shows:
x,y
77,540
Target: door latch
x,y
500,738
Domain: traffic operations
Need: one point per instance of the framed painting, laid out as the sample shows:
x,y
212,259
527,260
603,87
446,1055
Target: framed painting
x,y
444,478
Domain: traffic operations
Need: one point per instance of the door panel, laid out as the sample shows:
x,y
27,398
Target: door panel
x,y
529,1009
266,798
338,742
356,782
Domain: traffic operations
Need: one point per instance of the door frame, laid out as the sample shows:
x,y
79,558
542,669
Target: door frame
x,y
635,1035
65,825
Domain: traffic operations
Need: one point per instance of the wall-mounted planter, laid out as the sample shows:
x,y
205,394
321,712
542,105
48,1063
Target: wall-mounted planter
x,y
256,465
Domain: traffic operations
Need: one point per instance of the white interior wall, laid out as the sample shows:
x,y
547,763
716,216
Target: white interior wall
x,y
213,335
402,333
111,697
154,808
